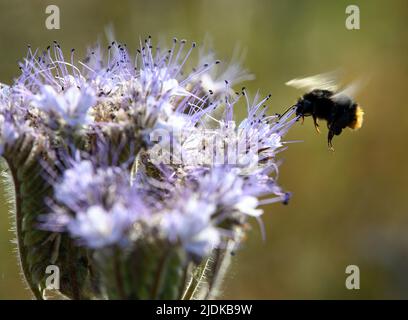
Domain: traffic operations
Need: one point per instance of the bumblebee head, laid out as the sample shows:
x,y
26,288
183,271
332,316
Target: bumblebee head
x,y
303,107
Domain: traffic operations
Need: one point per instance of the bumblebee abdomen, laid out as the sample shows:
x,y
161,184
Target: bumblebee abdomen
x,y
357,121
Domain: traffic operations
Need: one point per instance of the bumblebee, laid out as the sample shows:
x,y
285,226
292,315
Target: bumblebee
x,y
325,101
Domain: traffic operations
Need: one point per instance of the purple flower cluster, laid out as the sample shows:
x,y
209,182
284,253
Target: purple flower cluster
x,y
196,173
96,204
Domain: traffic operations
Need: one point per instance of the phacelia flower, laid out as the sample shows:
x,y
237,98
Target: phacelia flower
x,y
190,224
8,133
11,127
98,228
133,171
70,106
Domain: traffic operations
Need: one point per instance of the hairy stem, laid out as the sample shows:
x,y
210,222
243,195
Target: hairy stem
x,y
21,249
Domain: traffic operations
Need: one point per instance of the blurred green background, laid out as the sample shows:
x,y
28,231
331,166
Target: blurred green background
x,y
348,206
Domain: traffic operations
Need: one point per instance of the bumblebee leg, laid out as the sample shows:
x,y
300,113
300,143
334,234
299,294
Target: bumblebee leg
x,y
329,140
303,119
316,124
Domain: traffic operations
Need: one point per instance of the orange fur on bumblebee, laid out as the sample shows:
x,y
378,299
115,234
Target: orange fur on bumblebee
x,y
324,101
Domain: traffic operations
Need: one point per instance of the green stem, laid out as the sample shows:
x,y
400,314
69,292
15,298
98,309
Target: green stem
x,y
197,277
20,246
160,275
118,274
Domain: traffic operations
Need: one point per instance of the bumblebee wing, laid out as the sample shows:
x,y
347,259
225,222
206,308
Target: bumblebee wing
x,y
350,91
324,81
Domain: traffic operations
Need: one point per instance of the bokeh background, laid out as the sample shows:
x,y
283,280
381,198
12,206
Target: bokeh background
x,y
349,207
